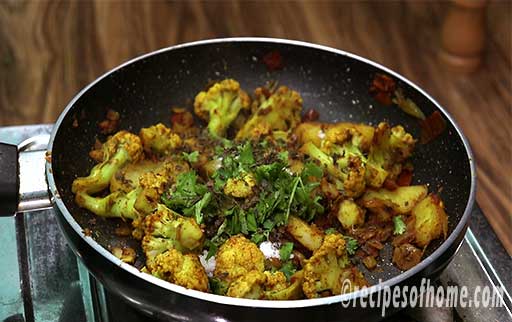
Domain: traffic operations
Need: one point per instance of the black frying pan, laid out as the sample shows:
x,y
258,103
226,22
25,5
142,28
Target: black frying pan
x,y
333,82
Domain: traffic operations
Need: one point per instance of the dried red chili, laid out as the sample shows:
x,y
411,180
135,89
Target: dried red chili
x,y
432,127
273,60
382,89
404,178
311,115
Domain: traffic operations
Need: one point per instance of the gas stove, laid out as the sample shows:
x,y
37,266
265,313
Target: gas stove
x,y
42,280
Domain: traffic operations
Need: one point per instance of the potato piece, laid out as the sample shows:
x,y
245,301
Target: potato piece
x,y
402,200
127,178
430,220
350,214
308,235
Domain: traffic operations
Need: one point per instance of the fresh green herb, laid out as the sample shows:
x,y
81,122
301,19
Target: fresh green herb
x,y
234,164
264,144
279,193
218,286
400,226
331,230
286,251
187,192
252,226
189,196
288,269
283,156
258,238
351,245
191,157
246,157
312,170
198,207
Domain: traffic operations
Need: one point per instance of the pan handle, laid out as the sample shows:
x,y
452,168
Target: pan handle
x,y
9,179
23,185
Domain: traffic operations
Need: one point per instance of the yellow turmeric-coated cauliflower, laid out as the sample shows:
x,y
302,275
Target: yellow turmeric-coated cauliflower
x,y
220,105
237,257
118,150
326,271
184,270
165,229
281,111
259,285
250,286
391,147
240,187
159,139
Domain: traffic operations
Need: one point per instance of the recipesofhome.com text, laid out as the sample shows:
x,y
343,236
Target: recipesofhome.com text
x,y
426,295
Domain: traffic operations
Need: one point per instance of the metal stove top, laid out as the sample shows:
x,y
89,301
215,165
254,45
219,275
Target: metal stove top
x,y
42,280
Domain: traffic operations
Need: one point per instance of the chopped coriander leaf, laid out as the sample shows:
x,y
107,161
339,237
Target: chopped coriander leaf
x,y
198,207
187,193
264,144
258,238
212,248
400,226
191,157
351,245
283,156
330,230
288,269
311,170
286,251
252,226
218,286
246,157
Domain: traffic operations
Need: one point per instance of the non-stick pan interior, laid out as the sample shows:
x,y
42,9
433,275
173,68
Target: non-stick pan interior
x,y
337,85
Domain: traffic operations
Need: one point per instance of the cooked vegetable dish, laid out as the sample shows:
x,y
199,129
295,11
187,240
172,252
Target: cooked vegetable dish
x,y
262,202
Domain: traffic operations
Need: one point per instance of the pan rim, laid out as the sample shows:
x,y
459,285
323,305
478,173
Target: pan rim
x,y
344,298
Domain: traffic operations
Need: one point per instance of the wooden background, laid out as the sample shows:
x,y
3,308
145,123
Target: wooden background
x,y
50,50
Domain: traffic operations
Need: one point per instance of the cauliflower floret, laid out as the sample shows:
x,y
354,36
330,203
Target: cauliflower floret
x,y
220,105
135,204
116,204
120,149
159,139
164,229
250,286
153,184
184,270
326,270
240,187
126,141
292,290
279,112
275,281
337,133
256,285
391,147
347,172
236,257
